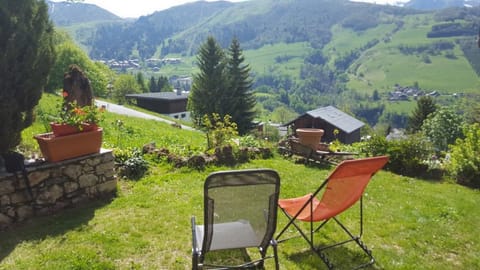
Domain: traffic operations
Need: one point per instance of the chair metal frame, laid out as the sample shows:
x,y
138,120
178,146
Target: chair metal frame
x,y
310,200
249,177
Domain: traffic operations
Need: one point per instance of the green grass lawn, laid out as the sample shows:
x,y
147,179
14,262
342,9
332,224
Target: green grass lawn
x,y
409,223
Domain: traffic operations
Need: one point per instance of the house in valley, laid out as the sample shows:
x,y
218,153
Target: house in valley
x,y
330,119
172,104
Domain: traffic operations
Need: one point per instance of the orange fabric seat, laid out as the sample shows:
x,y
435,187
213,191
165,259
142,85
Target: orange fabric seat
x,y
341,190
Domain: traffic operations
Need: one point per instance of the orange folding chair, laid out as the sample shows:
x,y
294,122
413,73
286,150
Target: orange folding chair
x,y
342,189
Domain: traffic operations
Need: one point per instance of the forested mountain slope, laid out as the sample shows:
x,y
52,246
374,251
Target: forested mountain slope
x,y
310,53
256,23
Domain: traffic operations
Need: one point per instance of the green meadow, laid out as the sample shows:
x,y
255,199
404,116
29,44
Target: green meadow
x,y
384,65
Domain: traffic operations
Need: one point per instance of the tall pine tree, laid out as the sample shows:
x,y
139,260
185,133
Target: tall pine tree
x,y
223,86
163,85
425,106
26,57
210,84
241,104
153,85
141,82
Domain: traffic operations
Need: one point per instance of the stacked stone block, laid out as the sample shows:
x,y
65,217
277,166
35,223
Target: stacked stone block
x,y
52,187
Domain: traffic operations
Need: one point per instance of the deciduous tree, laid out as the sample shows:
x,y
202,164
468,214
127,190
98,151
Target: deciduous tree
x,y
125,84
443,127
67,54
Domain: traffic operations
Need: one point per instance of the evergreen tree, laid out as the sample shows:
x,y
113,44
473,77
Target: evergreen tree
x,y
210,84
425,106
26,56
375,95
163,85
153,85
141,82
241,101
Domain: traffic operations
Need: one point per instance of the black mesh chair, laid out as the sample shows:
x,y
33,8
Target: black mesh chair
x,y
240,211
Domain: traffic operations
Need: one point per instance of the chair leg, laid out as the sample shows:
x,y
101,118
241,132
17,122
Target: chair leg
x,y
275,253
194,261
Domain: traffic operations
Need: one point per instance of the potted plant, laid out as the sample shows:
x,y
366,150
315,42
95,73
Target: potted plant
x,y
55,148
75,134
73,118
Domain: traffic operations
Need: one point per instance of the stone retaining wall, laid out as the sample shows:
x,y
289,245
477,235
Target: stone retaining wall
x,y
55,186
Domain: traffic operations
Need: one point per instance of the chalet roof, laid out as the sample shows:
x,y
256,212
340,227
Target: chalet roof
x,y
159,96
335,117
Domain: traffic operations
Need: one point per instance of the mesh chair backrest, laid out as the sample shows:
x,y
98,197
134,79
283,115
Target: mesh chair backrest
x,y
348,181
242,195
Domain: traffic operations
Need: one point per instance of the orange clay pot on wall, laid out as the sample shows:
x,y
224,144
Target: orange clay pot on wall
x,y
60,148
310,136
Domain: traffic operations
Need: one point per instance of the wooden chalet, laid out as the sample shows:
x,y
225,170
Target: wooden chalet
x,y
329,119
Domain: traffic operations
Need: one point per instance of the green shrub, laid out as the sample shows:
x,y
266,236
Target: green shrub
x,y
408,156
443,127
219,131
249,141
131,164
375,146
464,161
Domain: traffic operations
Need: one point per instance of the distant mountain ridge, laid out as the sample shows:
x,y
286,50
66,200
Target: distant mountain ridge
x,y
180,29
70,13
440,4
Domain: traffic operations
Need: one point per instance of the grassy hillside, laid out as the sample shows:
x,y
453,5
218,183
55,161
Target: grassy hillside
x,y
120,132
379,67
384,65
410,223
278,59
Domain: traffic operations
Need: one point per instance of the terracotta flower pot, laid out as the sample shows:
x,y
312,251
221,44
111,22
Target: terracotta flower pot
x,y
55,148
310,136
66,129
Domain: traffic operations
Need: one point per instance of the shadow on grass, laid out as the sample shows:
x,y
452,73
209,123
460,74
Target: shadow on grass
x,y
40,228
233,257
322,164
341,257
